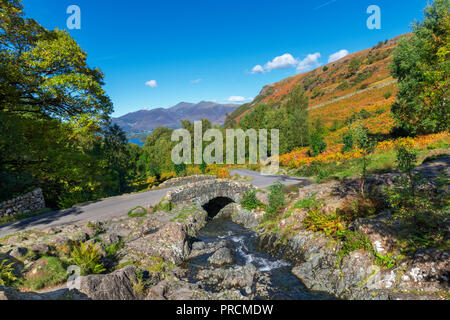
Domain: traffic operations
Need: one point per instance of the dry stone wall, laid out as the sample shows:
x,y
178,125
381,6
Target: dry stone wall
x,y
175,182
30,202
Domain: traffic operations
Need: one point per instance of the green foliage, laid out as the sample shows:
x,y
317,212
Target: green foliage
x,y
347,139
330,224
359,115
138,214
140,287
88,257
7,276
276,200
367,145
113,249
203,167
56,131
354,65
52,272
388,94
318,144
164,205
250,201
343,85
352,241
180,169
421,64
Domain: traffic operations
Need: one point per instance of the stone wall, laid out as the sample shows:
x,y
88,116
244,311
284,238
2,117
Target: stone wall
x,y
175,182
30,202
202,192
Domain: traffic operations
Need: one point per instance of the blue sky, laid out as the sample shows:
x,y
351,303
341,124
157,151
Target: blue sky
x,y
207,49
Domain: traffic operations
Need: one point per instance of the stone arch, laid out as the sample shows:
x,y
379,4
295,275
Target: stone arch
x,y
201,193
216,205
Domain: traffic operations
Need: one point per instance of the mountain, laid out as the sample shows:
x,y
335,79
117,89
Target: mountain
x,y
337,89
148,120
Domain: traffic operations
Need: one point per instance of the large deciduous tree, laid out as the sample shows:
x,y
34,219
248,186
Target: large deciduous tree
x,y
421,63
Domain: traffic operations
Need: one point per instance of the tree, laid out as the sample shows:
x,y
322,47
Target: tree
x,y
297,110
421,64
44,73
116,152
366,144
52,111
318,144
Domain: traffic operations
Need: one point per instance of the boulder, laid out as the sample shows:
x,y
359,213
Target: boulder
x,y
41,249
114,286
221,257
18,252
170,242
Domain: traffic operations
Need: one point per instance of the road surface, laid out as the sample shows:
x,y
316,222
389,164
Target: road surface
x,y
119,206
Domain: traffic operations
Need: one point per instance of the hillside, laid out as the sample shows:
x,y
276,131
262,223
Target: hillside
x,y
337,89
148,120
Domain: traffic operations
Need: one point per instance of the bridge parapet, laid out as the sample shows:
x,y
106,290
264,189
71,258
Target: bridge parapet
x,y
204,191
176,182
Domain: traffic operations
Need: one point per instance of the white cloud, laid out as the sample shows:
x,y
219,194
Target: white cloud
x,y
257,69
285,61
310,62
151,84
196,81
338,55
237,99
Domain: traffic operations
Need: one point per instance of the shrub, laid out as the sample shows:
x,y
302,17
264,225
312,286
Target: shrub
x,y
7,276
318,221
276,200
387,95
180,169
347,139
88,257
250,202
318,145
361,207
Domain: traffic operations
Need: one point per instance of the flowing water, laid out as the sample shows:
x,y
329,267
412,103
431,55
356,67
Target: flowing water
x,y
284,284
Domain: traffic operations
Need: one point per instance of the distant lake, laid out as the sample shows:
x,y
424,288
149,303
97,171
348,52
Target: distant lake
x,y
136,141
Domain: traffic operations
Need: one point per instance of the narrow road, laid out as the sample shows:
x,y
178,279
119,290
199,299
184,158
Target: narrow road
x,y
119,206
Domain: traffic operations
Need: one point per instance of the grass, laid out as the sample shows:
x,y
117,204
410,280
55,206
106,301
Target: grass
x,y
50,271
139,214
22,216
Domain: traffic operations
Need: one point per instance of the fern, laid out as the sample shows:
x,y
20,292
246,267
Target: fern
x,y
88,257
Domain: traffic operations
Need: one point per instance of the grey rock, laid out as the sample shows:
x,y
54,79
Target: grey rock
x,y
18,252
221,257
114,286
41,249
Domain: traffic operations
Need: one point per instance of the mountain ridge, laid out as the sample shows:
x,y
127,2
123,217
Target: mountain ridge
x,y
147,120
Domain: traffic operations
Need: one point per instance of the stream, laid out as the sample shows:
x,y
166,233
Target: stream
x,y
283,284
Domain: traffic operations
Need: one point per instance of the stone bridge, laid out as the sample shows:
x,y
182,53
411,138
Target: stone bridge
x,y
212,195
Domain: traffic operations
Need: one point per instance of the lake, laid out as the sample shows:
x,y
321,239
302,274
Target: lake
x,y
136,141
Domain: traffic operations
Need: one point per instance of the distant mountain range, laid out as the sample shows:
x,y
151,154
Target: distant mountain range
x,y
148,120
